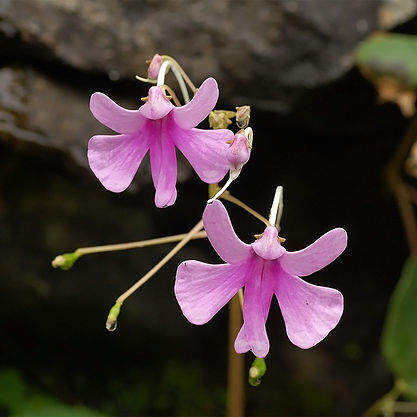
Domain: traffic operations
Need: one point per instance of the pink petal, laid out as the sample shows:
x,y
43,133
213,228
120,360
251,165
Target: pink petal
x,y
203,289
256,303
222,236
157,106
115,159
113,116
316,256
206,151
267,246
163,167
199,107
310,312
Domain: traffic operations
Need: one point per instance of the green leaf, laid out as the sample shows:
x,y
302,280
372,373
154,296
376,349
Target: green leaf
x,y
399,337
390,55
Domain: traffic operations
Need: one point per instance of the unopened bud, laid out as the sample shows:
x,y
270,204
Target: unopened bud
x,y
65,261
220,119
154,67
242,116
111,322
257,371
238,154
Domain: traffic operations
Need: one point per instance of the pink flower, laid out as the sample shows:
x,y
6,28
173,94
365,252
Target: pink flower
x,y
160,127
264,268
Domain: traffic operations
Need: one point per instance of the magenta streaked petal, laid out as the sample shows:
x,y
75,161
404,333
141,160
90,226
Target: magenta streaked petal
x,y
267,290
164,170
256,303
113,116
205,151
157,106
222,236
310,312
115,159
203,289
199,107
241,345
267,246
316,256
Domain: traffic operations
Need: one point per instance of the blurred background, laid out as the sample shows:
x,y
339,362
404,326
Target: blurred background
x,y
320,131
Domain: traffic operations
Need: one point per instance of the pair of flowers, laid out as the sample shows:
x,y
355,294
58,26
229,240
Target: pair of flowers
x,y
263,268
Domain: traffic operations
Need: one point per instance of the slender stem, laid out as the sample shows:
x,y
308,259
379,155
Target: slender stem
x,y
138,244
221,191
183,73
385,404
405,407
240,295
400,189
249,135
166,65
228,197
145,80
236,365
171,92
197,228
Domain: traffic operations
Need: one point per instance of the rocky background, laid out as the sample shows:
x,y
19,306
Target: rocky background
x,y
319,132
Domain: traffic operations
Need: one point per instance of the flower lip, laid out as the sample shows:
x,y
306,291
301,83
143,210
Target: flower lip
x,y
268,246
157,105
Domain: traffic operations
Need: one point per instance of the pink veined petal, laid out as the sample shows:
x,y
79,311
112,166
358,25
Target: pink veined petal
x,y
115,159
163,164
316,256
222,236
203,289
267,290
310,312
113,116
267,246
255,300
199,107
157,106
205,151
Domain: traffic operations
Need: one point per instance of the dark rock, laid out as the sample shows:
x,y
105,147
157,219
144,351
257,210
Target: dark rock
x,y
37,109
262,52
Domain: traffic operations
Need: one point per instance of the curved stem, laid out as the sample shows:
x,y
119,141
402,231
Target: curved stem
x,y
165,67
399,187
171,92
197,228
221,191
183,73
228,197
385,404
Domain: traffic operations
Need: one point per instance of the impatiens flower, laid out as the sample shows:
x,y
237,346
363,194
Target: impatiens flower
x,y
263,268
160,127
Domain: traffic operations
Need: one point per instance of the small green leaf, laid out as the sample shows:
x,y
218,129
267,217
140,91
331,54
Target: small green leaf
x,y
390,55
257,371
399,337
